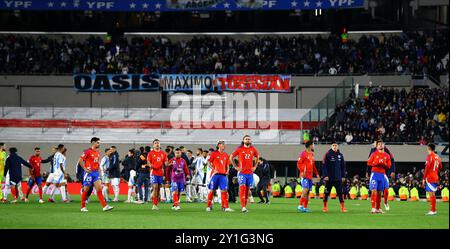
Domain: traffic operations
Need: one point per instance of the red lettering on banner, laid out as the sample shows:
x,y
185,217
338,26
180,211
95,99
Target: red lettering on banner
x,y
252,82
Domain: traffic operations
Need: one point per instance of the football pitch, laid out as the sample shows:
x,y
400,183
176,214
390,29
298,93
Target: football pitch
x,y
280,214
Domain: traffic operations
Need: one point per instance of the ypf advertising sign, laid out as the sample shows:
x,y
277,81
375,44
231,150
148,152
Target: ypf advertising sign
x,y
176,5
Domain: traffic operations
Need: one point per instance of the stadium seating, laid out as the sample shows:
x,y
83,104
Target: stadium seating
x,y
420,115
409,52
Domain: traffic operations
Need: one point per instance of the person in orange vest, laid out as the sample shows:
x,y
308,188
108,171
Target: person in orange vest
x,y
288,191
298,190
322,191
444,194
333,193
312,193
364,192
391,194
353,192
276,189
414,194
403,193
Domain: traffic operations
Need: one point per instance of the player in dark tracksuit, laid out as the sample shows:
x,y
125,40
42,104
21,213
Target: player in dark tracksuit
x,y
390,172
143,178
264,172
13,167
49,160
333,171
114,172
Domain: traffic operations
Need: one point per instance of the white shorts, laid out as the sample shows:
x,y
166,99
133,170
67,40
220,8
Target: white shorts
x,y
55,177
197,179
7,182
255,180
131,179
50,178
114,181
105,179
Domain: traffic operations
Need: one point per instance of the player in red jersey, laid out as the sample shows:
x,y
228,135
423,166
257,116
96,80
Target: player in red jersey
x,y
35,174
90,162
156,160
380,161
307,168
248,160
431,176
219,161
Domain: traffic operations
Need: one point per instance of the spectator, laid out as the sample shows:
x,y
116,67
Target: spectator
x,y
306,137
422,141
332,71
442,117
410,52
348,138
395,115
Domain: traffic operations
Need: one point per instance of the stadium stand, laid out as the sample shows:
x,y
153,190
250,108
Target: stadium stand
x,y
407,53
420,115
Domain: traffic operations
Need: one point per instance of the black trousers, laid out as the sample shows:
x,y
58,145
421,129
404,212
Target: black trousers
x,y
329,185
143,179
262,185
232,191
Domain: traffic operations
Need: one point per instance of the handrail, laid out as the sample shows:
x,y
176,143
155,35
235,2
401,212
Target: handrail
x,y
324,74
434,80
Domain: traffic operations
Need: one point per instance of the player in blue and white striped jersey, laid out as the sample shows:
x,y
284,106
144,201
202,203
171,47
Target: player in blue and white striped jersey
x,y
104,167
57,178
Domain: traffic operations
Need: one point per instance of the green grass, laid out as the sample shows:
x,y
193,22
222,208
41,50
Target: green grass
x,y
282,213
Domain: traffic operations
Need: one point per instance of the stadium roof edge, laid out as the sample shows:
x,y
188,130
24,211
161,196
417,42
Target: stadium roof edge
x,y
198,33
261,33
51,33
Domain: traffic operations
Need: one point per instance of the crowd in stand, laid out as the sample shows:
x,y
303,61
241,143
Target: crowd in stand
x,y
420,115
405,53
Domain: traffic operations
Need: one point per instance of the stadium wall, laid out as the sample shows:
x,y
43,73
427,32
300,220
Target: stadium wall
x,y
41,90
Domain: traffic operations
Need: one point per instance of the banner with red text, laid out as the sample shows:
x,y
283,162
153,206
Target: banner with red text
x,y
253,83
